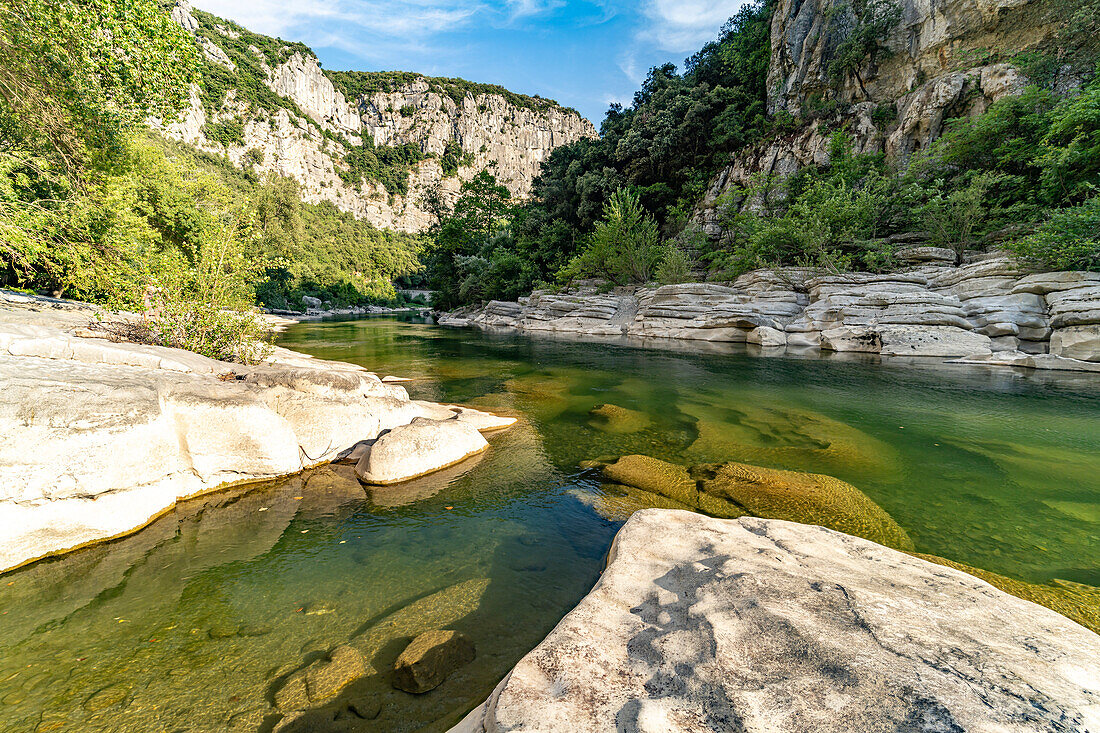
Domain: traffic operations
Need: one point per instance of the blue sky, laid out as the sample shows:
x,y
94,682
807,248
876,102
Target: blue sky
x,y
583,53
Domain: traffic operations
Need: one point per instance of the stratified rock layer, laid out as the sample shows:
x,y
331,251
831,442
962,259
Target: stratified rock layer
x,y
701,624
988,309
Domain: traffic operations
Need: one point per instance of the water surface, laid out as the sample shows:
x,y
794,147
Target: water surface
x,y
192,623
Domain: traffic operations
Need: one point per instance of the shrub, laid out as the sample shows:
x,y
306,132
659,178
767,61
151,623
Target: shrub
x,y
625,247
675,267
225,133
1068,240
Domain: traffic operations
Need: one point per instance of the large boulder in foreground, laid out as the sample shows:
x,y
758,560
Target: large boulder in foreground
x,y
702,624
419,448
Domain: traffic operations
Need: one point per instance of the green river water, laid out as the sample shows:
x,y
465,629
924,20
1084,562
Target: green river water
x,y
192,623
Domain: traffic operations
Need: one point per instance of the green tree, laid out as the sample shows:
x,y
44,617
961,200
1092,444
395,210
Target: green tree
x,y
625,247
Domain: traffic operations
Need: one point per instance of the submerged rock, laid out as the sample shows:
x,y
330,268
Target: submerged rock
x,y
655,476
762,625
322,680
419,448
731,490
429,659
808,498
619,420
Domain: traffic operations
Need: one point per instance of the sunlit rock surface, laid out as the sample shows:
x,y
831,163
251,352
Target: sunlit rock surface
x,y
97,438
987,311
701,624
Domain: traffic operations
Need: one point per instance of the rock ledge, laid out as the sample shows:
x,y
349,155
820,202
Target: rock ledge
x,y
702,624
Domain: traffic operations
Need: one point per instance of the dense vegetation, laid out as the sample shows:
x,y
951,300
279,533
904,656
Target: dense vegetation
x,y
364,83
93,207
1021,176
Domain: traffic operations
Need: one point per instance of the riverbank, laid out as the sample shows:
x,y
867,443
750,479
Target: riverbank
x,y
101,437
987,312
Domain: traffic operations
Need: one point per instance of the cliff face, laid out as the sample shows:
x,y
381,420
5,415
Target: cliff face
x,y
310,134
940,60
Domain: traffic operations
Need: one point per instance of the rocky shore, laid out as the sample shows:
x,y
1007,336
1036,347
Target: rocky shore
x,y
988,311
97,438
765,625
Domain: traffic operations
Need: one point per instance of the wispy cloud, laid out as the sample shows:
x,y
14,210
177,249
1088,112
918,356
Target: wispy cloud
x,y
685,25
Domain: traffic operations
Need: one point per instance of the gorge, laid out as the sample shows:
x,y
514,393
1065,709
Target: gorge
x,y
340,401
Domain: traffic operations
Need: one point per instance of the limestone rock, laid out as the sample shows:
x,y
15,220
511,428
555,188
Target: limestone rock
x,y
654,476
1077,342
325,678
621,420
429,659
321,680
419,448
906,340
483,421
492,131
100,437
757,625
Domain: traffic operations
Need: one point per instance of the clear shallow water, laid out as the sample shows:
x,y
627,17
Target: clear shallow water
x,y
192,623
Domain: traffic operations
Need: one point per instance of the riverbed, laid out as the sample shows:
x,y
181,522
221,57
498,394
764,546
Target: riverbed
x,y
193,623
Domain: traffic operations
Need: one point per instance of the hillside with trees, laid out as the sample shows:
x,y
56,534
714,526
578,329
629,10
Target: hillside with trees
x,y
1018,171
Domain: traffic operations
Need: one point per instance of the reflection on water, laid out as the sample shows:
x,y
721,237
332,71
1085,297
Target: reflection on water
x,y
194,622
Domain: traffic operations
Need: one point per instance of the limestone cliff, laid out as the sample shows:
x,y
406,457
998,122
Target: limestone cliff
x,y
938,61
441,131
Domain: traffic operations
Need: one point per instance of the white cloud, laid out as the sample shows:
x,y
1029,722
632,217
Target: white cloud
x,y
685,25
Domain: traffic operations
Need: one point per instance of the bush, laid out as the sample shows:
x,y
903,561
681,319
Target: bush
x,y
225,133
675,267
625,247
1069,240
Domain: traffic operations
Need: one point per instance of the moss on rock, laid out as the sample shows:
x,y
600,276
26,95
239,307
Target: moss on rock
x,y
618,420
655,476
616,502
808,498
731,490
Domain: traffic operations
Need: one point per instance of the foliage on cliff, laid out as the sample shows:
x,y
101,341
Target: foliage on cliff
x,y
1023,175
365,83
663,149
92,207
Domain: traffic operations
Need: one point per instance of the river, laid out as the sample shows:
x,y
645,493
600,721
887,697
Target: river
x,y
193,623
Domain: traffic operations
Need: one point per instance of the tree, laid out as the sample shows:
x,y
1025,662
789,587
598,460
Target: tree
x,y
625,247
464,240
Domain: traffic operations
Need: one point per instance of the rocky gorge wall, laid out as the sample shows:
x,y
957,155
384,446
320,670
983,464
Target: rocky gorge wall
x,y
491,131
988,310
942,60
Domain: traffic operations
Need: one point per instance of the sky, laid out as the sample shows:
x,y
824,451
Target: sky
x,y
585,54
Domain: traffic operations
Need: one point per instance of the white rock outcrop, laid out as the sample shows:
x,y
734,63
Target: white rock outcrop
x,y
97,438
418,448
935,309
754,625
491,131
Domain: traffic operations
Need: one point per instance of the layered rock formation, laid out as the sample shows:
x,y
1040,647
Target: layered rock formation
x,y
98,438
987,309
488,129
937,64
763,625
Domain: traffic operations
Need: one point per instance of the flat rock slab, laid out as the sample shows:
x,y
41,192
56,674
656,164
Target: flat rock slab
x,y
703,624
